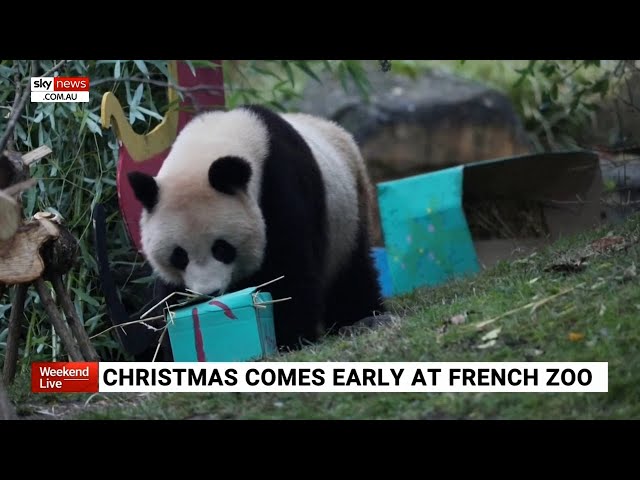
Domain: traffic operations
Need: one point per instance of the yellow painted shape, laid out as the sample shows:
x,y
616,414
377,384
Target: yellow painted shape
x,y
143,147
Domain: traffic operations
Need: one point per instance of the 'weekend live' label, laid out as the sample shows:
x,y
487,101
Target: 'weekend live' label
x,y
57,377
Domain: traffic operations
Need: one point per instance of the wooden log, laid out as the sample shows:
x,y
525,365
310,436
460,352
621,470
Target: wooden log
x,y
16,189
7,412
88,352
9,217
62,329
12,169
13,337
20,260
60,254
36,154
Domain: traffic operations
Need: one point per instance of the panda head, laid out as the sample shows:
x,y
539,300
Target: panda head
x,y
202,230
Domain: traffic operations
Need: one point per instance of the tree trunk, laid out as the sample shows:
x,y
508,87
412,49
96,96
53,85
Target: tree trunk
x,y
7,412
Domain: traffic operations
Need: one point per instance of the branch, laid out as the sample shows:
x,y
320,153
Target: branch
x,y
53,69
18,84
18,107
188,91
628,103
622,65
159,83
571,72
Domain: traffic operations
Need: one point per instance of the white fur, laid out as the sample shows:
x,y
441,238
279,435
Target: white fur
x,y
213,135
238,221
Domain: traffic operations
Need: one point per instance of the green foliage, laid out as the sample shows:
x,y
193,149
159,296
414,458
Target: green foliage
x,y
277,82
78,174
556,99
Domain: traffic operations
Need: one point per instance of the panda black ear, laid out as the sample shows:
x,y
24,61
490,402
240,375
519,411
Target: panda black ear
x,y
230,174
145,189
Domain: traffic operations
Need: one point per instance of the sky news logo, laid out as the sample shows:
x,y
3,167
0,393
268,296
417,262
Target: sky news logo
x,y
59,89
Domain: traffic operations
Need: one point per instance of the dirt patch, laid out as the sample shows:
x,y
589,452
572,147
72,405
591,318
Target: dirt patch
x,y
577,260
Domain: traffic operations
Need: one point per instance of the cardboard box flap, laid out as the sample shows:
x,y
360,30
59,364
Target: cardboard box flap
x,y
235,299
226,305
426,235
542,175
566,185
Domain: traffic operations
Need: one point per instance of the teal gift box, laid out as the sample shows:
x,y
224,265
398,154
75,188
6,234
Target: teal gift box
x,y
426,225
379,255
235,327
426,236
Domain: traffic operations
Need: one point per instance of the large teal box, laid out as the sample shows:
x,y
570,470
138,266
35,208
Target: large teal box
x,y
235,327
424,218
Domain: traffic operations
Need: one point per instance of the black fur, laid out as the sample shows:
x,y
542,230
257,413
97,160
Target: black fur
x,y
229,174
179,258
137,339
145,189
223,251
293,205
355,294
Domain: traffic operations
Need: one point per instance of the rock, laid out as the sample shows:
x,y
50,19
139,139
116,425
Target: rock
x,y
622,172
415,126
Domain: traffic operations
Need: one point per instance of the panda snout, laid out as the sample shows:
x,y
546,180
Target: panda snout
x,y
215,293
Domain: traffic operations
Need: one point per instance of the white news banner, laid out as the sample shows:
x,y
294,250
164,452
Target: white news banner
x,y
353,377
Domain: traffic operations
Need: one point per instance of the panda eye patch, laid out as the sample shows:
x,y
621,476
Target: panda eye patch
x,y
179,258
223,251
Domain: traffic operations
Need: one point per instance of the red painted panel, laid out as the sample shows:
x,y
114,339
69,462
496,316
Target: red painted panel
x,y
130,208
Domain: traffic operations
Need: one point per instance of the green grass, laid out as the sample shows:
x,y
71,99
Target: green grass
x,y
602,306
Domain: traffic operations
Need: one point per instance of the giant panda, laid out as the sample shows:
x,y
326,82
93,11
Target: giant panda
x,y
248,195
